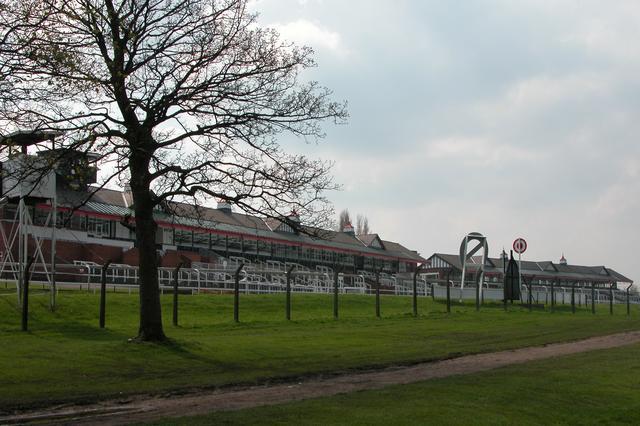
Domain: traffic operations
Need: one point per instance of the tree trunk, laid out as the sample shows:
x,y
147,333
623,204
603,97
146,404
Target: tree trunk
x,y
150,308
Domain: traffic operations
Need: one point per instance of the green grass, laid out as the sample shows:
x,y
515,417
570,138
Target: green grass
x,y
65,356
600,387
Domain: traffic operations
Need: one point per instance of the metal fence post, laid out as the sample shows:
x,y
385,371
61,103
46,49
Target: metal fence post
x,y
415,291
573,297
628,301
504,288
580,297
611,298
175,294
103,292
378,294
288,298
478,291
379,271
335,293
236,294
449,292
553,296
25,293
593,297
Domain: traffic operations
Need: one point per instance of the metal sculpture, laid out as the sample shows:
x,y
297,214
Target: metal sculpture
x,y
512,281
466,258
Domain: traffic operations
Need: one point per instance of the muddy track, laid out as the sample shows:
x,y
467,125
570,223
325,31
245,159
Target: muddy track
x,y
146,408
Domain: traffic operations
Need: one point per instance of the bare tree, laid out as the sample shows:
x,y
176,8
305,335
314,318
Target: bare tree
x,y
182,99
343,219
362,225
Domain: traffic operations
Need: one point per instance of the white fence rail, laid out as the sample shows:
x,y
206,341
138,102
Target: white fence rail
x,y
203,278
539,294
271,277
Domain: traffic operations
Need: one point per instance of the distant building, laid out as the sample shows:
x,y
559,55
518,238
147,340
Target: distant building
x,y
539,273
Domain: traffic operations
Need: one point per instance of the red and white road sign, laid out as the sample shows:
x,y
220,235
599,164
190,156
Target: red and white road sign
x,y
519,245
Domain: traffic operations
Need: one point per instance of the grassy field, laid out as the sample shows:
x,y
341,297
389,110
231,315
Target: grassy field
x,y
600,387
65,356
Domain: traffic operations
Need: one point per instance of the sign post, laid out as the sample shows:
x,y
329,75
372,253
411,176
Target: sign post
x,y
520,246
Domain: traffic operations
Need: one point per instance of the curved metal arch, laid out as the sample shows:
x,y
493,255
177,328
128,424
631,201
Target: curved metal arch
x,y
466,255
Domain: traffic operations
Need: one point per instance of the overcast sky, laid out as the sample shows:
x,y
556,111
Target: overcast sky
x,y
510,118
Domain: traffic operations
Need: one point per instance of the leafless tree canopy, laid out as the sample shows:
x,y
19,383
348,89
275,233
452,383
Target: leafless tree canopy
x,y
362,225
195,84
343,219
362,222
185,98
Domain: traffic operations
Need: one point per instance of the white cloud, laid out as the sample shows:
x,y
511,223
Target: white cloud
x,y
610,30
482,151
310,34
527,96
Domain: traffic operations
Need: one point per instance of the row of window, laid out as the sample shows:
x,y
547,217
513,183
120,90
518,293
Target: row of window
x,y
93,226
188,239
231,244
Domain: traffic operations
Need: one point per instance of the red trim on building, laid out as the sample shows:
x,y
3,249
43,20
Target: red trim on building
x,y
237,234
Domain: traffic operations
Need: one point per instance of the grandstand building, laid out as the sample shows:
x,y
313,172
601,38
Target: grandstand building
x,y
96,231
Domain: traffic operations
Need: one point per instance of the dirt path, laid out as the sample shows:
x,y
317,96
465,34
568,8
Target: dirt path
x,y
145,408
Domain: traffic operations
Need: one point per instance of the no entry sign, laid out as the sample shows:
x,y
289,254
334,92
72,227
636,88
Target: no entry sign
x,y
520,245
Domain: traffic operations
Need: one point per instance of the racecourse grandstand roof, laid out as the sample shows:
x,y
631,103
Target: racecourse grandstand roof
x,y
117,204
539,269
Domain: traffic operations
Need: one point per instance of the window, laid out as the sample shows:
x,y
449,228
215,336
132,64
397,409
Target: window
x,y
77,223
41,217
97,227
280,250
250,246
218,242
235,244
376,243
183,238
264,247
285,228
200,239
10,212
167,235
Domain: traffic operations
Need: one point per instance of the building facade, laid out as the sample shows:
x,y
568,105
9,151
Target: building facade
x,y
94,225
541,273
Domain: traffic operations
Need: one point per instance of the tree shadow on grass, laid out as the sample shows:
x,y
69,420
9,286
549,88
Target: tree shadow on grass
x,y
189,351
69,329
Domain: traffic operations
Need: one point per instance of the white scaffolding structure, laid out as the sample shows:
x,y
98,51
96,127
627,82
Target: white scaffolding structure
x,y
21,184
